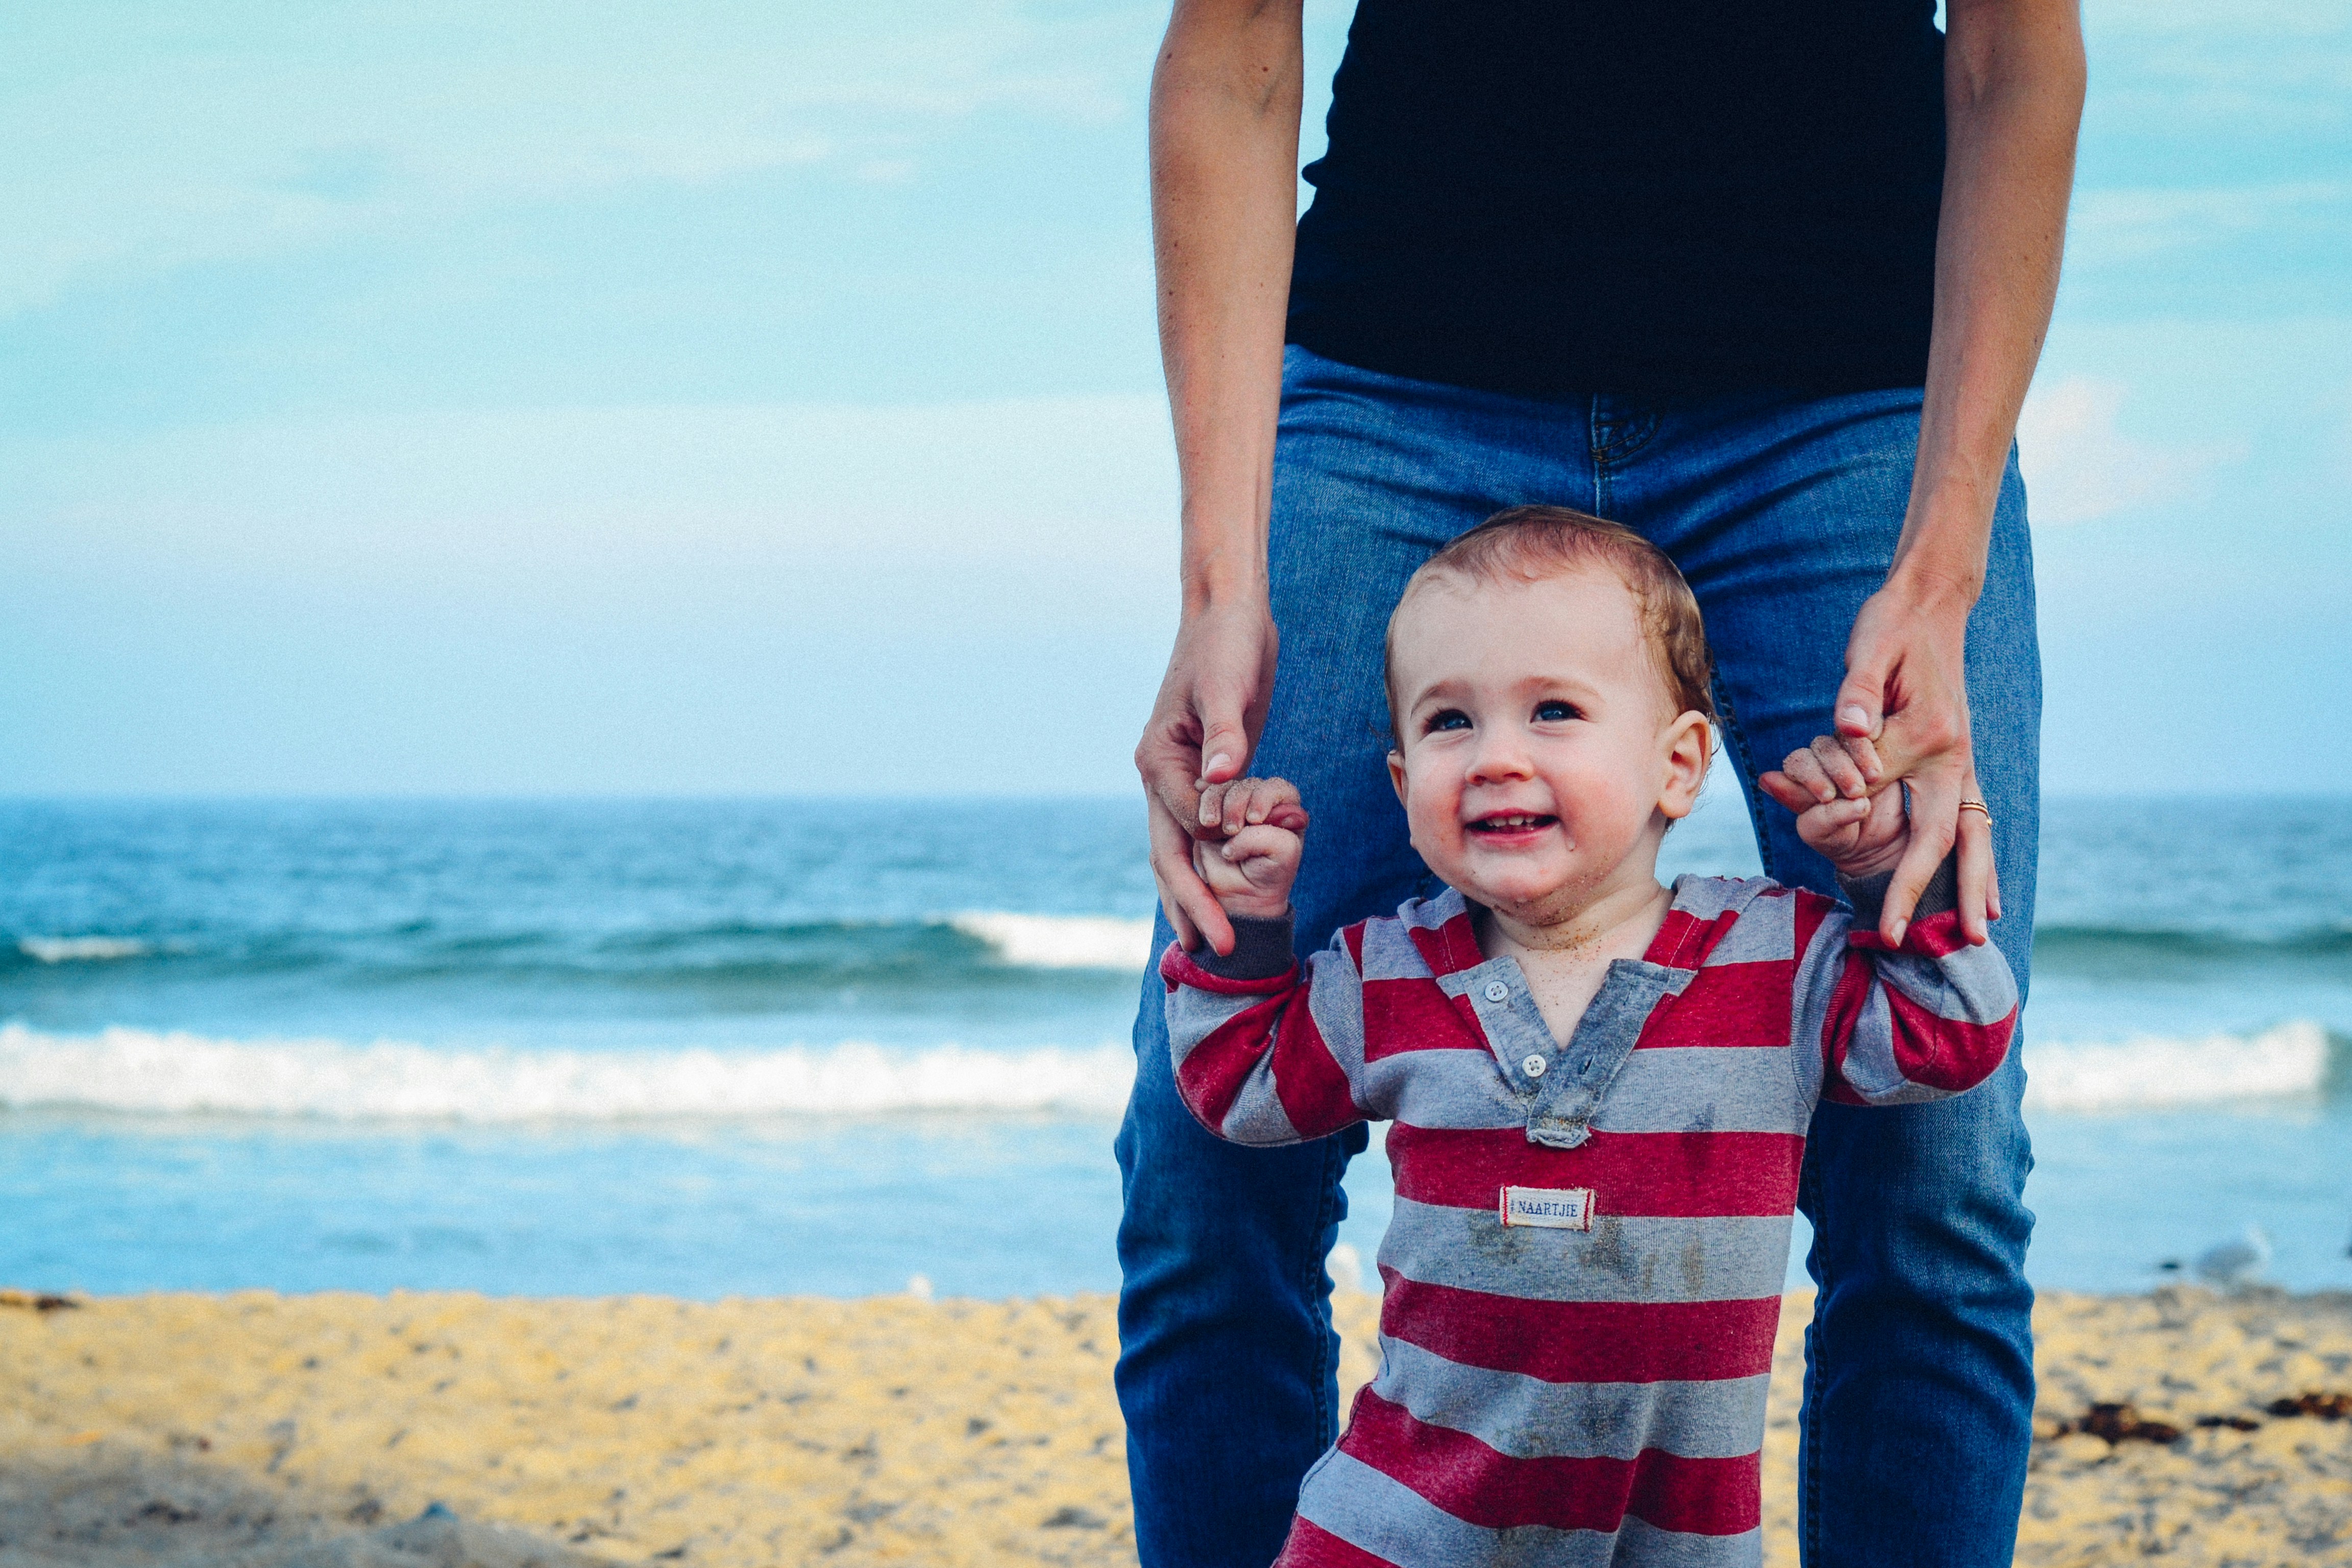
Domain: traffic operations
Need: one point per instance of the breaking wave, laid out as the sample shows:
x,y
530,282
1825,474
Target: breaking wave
x,y
144,1072
81,948
984,947
1062,942
2291,1059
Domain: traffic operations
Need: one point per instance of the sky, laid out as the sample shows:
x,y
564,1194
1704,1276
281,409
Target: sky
x,y
431,398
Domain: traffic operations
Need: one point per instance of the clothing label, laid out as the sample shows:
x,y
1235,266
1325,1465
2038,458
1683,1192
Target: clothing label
x,y
1558,1208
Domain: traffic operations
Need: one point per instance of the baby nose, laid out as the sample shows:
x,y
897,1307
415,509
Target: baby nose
x,y
1499,756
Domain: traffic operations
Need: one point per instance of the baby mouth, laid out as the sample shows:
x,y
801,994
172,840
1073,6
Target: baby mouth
x,y
1513,822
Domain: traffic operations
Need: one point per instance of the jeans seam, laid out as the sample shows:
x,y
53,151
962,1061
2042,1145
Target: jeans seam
x,y
1609,443
1727,716
1593,448
1645,433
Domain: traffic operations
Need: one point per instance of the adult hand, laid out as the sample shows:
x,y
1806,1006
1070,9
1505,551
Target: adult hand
x,y
1905,697
1202,731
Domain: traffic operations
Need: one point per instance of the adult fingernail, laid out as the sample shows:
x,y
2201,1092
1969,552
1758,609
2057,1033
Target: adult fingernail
x,y
1900,927
1219,760
1852,715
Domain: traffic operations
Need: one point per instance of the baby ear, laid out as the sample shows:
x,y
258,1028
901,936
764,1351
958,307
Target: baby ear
x,y
1396,774
1689,744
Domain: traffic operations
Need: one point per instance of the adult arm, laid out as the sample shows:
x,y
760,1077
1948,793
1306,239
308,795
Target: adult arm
x,y
1225,97
2013,78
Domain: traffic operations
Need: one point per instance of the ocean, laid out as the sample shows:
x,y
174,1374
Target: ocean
x,y
708,1047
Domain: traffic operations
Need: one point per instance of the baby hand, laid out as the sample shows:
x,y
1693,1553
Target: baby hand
x,y
1860,827
1247,845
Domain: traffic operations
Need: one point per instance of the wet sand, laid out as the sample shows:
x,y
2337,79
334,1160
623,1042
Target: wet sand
x,y
317,1431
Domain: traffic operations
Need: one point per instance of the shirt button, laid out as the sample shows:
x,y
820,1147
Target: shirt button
x,y
1497,992
1533,1066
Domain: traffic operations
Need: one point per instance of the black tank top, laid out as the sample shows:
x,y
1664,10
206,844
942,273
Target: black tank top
x,y
1553,198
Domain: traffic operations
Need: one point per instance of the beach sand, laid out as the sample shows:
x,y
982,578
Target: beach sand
x,y
314,1431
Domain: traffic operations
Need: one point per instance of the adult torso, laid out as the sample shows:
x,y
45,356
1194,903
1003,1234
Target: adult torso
x,y
1562,196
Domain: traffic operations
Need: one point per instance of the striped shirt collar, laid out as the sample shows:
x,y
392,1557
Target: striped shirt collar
x,y
1445,929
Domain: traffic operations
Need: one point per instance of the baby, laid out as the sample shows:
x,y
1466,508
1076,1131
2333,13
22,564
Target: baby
x,y
1599,1087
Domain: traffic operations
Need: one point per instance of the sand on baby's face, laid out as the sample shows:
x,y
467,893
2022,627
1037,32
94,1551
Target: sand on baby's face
x,y
292,1432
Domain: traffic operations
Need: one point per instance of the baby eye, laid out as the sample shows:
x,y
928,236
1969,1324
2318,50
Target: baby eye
x,y
1445,719
1556,712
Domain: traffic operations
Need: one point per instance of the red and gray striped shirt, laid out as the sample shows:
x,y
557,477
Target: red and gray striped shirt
x,y
1582,1276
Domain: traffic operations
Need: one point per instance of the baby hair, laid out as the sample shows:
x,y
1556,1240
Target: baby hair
x,y
1529,543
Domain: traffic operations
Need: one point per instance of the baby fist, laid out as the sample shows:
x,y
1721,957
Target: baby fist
x,y
1247,845
1854,820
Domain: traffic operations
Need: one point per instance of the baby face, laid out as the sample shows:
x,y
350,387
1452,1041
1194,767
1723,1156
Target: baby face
x,y
1540,755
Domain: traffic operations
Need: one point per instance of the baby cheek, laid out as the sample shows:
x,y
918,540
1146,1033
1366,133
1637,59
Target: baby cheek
x,y
1426,827
1605,799
1432,824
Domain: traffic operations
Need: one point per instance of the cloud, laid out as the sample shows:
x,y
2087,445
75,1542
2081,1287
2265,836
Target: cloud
x,y
2080,467
2130,225
2290,19
951,597
132,146
842,505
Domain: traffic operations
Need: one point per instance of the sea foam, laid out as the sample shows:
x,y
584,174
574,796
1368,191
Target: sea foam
x,y
81,949
154,1073
139,1071
1062,942
2153,1071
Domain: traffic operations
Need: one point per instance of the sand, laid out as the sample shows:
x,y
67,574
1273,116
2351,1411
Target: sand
x,y
314,1431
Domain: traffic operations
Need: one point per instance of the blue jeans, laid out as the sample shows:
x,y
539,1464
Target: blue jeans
x,y
1783,513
